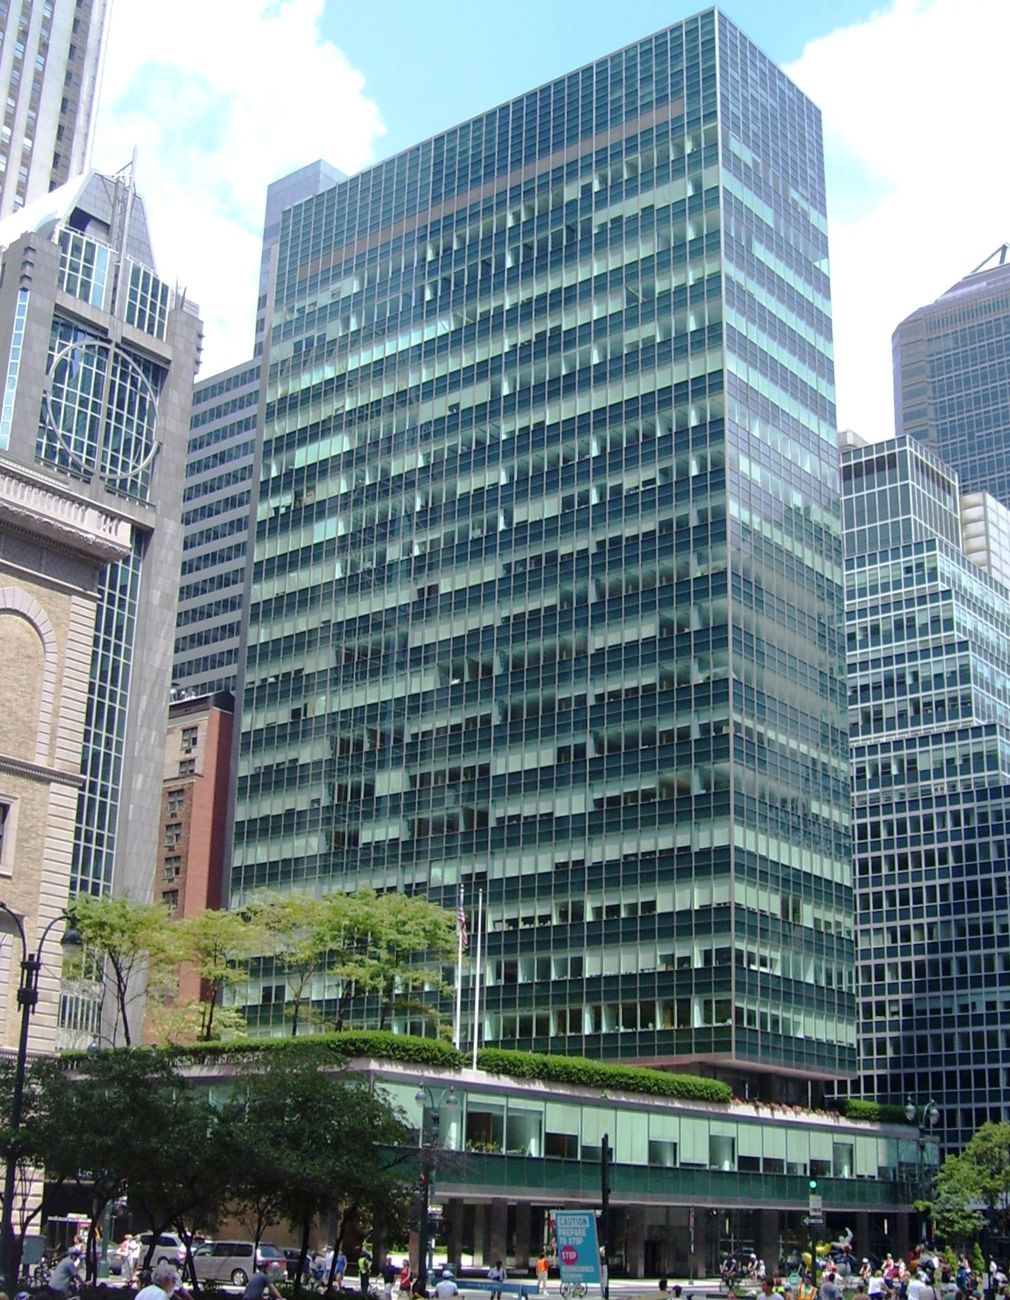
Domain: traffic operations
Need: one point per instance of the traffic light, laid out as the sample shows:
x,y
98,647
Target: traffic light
x,y
813,1184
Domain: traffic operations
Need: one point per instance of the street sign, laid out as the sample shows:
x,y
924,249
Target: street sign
x,y
814,1220
816,1203
578,1250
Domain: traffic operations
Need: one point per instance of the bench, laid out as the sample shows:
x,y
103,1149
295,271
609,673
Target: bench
x,y
521,1289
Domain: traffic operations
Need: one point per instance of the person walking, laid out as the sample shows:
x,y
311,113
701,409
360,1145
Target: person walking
x,y
543,1268
364,1269
497,1274
389,1275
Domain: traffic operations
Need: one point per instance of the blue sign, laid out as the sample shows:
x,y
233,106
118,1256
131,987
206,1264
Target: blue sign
x,y
578,1250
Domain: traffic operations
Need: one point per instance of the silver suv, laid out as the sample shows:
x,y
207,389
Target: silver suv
x,y
170,1247
233,1261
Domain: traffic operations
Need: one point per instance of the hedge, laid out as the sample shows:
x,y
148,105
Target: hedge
x,y
880,1112
349,1044
384,1046
598,1074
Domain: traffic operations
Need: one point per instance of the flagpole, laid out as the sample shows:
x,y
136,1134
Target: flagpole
x,y
457,1019
476,976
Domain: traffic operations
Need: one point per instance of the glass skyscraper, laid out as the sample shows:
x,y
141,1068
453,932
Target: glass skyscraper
x,y
929,711
952,377
547,587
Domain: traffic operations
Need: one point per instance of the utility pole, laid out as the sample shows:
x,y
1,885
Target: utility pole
x,y
605,1211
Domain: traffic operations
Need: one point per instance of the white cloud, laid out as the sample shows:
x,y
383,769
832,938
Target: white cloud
x,y
221,97
914,104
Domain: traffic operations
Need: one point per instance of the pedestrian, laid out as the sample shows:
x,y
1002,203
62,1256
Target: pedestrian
x,y
364,1269
497,1274
340,1269
389,1275
543,1268
830,1289
446,1286
405,1278
66,1276
806,1289
164,1282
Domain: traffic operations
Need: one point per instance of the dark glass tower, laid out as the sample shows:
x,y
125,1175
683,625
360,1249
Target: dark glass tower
x,y
547,590
952,377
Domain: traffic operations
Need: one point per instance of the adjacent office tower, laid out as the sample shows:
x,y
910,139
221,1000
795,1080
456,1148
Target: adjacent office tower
x,y
98,357
221,462
547,589
928,611
952,377
50,60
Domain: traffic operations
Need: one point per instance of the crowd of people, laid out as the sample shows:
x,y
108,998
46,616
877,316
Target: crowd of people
x,y
924,1275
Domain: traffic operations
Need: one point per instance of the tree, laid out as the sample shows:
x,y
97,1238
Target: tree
x,y
128,937
973,1189
218,945
954,1209
294,926
314,1142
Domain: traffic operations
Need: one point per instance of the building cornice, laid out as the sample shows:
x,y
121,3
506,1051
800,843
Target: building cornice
x,y
43,508
37,772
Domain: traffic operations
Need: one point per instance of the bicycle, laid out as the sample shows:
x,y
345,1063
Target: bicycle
x,y
573,1290
41,1273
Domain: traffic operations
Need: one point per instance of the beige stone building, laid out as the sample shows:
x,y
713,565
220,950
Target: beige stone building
x,y
53,546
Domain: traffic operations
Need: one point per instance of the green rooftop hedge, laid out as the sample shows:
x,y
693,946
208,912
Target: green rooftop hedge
x,y
880,1112
598,1074
435,1052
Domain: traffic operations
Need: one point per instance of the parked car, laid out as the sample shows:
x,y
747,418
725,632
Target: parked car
x,y
170,1246
292,1255
233,1261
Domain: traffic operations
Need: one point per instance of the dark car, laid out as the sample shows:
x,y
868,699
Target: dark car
x,y
291,1257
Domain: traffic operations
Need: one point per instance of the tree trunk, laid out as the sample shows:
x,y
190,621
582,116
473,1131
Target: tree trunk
x,y
306,1224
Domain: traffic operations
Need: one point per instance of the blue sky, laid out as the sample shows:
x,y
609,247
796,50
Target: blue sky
x,y
428,66
220,98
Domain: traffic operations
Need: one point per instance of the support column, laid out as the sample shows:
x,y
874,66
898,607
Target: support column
x,y
498,1231
453,1214
696,1267
768,1239
634,1241
523,1222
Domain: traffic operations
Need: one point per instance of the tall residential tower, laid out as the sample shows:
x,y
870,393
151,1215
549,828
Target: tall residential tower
x,y
547,591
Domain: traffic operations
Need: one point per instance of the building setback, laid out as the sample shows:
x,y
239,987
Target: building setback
x,y
952,377
98,356
50,60
929,713
546,599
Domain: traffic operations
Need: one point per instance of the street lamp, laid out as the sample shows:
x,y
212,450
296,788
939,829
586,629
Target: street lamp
x,y
434,1100
926,1119
28,996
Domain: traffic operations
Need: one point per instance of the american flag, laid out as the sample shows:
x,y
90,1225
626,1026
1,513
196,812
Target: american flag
x,y
461,922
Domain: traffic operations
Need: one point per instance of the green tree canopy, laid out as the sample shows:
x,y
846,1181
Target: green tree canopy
x,y
973,1189
136,947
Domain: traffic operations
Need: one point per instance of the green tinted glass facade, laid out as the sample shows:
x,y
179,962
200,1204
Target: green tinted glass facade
x,y
547,588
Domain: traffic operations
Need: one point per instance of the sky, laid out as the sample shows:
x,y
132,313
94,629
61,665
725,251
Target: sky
x,y
220,97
